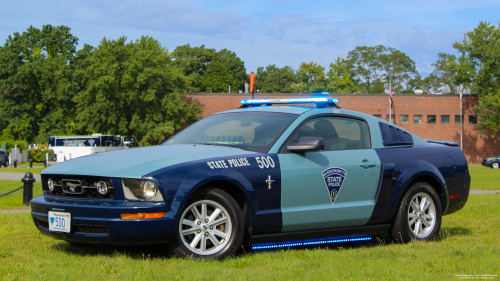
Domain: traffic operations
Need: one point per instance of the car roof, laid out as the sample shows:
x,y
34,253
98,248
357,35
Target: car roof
x,y
294,110
278,109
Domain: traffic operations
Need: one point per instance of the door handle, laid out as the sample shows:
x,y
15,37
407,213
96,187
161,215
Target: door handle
x,y
367,164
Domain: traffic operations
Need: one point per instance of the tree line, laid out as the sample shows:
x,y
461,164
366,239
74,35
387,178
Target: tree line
x,y
138,88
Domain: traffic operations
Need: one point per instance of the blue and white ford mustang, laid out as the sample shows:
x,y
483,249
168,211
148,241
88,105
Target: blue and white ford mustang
x,y
261,176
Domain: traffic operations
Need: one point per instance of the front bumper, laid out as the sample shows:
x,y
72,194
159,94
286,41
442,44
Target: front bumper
x,y
95,221
487,163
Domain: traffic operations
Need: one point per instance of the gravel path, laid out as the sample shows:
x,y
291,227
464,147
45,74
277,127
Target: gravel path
x,y
15,212
17,176
485,192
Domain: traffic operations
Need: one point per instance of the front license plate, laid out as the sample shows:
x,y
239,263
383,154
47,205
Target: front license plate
x,y
59,221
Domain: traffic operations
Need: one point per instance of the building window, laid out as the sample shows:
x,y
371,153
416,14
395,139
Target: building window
x,y
445,119
431,119
393,118
378,115
403,119
457,119
417,119
472,119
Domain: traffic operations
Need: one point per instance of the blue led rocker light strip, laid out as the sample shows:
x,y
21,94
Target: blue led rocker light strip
x,y
319,101
310,242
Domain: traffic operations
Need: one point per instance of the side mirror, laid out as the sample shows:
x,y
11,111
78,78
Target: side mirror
x,y
307,144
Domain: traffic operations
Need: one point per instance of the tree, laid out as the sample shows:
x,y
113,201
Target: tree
x,y
480,58
480,66
340,79
35,82
375,69
235,66
275,80
195,61
398,69
366,67
217,78
133,89
313,76
446,70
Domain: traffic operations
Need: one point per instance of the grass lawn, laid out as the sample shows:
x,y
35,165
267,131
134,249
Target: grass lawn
x,y
468,244
484,178
14,200
10,169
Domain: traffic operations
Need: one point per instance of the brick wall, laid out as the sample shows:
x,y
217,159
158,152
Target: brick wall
x,y
475,146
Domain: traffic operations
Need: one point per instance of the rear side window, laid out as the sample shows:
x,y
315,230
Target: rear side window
x,y
394,136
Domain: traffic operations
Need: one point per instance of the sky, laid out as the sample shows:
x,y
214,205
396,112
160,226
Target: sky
x,y
265,32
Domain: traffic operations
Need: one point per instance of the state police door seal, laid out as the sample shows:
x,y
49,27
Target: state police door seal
x,y
334,178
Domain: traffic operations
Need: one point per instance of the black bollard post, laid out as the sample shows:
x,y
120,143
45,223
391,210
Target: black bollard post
x,y
45,163
28,181
15,164
31,162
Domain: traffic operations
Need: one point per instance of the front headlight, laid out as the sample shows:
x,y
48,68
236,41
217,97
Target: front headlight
x,y
489,159
144,190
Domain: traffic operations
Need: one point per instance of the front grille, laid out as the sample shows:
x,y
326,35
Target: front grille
x,y
92,229
77,187
79,228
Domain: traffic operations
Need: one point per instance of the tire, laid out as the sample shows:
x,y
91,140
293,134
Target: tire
x,y
495,165
214,236
412,224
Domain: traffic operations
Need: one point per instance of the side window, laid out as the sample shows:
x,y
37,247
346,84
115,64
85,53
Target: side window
x,y
394,136
338,133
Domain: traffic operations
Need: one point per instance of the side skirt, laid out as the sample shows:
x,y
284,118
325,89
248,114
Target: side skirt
x,y
323,233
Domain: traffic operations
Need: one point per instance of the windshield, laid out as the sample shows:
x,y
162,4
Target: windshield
x,y
255,131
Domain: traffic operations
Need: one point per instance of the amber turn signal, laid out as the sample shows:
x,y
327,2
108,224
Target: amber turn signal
x,y
143,216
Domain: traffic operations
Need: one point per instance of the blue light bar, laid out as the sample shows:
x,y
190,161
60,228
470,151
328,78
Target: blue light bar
x,y
320,241
290,100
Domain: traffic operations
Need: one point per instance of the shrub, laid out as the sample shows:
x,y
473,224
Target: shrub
x,y
10,144
38,154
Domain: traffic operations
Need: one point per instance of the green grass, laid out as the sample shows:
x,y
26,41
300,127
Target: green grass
x,y
10,169
15,200
484,178
468,244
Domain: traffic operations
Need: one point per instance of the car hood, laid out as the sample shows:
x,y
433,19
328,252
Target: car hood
x,y
137,162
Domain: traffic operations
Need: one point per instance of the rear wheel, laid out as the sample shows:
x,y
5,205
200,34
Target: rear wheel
x,y
419,215
210,226
495,165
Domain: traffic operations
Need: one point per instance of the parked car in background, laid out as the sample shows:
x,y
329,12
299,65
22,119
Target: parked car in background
x,y
492,162
4,158
259,176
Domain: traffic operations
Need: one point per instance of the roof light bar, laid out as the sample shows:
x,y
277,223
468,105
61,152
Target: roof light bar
x,y
290,100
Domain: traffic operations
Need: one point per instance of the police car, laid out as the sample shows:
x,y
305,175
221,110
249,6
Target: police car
x,y
261,176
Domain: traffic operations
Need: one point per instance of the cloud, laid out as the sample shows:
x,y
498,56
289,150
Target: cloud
x,y
265,32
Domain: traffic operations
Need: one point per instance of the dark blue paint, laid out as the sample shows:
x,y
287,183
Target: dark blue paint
x,y
414,162
107,213
179,182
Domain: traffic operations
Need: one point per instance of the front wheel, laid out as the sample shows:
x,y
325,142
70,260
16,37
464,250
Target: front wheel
x,y
210,226
419,215
495,165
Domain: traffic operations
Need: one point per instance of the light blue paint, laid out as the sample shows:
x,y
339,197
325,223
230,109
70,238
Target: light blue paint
x,y
137,162
305,200
375,136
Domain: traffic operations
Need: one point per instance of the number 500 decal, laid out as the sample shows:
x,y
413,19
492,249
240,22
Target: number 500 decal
x,y
265,162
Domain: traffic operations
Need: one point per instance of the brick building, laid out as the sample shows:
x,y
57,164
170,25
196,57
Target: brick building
x,y
428,116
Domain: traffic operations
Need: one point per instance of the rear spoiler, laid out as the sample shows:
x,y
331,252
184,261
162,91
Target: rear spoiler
x,y
448,143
